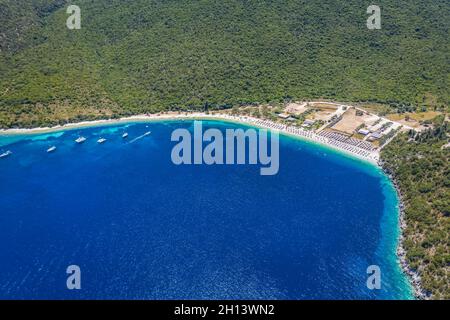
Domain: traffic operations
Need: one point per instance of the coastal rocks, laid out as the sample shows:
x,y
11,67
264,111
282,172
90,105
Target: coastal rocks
x,y
413,274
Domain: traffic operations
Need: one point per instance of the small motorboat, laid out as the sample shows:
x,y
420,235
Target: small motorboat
x,y
51,149
125,135
101,140
5,154
80,140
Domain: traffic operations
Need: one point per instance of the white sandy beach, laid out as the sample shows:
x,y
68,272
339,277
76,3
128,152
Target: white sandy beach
x,y
349,150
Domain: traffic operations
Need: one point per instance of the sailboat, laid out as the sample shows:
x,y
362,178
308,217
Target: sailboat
x,y
51,149
80,139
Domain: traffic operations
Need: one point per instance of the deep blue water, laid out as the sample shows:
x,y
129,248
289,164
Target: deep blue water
x,y
141,227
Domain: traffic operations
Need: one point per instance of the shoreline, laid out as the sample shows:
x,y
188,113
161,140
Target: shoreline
x,y
413,276
246,120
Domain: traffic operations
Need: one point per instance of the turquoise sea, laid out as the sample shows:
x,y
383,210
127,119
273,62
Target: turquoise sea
x,y
140,227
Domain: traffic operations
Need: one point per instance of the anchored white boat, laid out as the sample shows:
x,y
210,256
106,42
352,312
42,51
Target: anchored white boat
x,y
80,140
5,154
51,149
101,140
125,135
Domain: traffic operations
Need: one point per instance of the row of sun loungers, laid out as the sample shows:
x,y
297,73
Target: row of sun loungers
x,y
268,124
358,147
352,141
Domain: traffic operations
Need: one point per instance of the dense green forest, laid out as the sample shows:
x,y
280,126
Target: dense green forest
x,y
151,55
420,165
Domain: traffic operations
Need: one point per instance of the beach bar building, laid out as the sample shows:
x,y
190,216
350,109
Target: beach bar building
x,y
284,116
308,123
375,136
364,132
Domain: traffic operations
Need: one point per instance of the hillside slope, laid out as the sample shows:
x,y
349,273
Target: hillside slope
x,y
150,55
420,166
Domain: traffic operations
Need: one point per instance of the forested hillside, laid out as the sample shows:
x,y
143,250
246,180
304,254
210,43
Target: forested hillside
x,y
150,55
420,165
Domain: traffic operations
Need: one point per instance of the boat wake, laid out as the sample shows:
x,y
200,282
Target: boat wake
x,y
140,137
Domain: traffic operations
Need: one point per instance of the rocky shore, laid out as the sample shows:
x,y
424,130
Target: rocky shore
x,y
413,274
